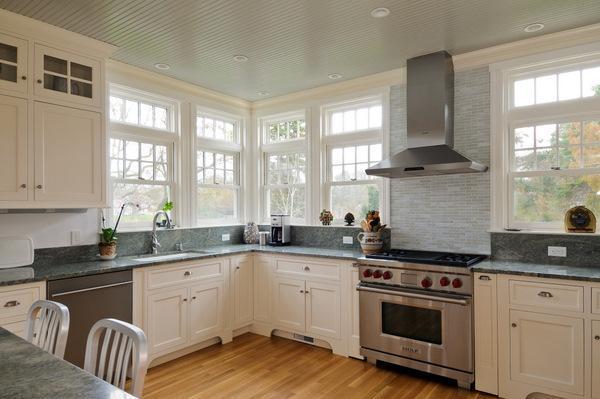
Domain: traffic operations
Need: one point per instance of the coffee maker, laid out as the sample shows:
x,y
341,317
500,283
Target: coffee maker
x,y
280,230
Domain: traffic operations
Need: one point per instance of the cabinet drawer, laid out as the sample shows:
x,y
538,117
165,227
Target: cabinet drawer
x,y
17,328
170,275
596,300
547,296
308,269
17,302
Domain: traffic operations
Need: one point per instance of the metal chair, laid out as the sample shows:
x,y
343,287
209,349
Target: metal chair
x,y
112,346
48,326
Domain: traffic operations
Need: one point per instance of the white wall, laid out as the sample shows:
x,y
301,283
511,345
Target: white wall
x,y
53,229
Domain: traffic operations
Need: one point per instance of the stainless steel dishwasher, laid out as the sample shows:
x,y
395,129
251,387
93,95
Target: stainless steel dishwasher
x,y
89,299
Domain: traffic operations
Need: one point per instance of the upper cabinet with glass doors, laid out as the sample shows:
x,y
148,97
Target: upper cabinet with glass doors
x,y
65,76
13,64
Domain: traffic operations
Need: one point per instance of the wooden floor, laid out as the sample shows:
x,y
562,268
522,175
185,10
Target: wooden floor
x,y
254,366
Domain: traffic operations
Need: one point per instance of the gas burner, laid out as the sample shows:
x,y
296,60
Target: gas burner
x,y
429,257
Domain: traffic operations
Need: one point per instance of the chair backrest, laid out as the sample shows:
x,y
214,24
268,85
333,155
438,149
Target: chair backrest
x,y
48,326
112,346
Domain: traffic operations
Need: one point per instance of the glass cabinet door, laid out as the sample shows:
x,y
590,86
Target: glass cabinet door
x,y
13,63
67,76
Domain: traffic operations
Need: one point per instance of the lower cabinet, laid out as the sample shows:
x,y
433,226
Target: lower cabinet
x,y
243,291
486,333
167,319
263,269
547,350
207,310
15,301
289,303
595,359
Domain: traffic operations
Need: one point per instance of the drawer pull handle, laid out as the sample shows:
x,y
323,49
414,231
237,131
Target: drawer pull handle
x,y
306,268
545,294
484,278
12,304
187,273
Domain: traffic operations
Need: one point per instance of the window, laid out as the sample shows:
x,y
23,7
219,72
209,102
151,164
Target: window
x,y
550,151
217,169
285,165
140,156
353,143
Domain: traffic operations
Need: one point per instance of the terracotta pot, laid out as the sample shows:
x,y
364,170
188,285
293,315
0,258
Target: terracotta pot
x,y
108,249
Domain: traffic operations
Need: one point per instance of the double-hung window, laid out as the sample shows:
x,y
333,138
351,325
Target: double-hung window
x,y
550,117
285,166
142,143
354,138
218,159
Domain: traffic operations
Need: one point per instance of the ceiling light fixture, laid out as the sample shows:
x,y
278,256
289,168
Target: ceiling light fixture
x,y
380,12
240,58
334,76
162,66
263,93
533,28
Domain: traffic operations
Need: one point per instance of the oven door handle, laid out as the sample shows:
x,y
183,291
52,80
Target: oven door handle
x,y
463,302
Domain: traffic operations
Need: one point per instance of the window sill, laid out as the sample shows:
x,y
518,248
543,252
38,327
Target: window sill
x,y
546,232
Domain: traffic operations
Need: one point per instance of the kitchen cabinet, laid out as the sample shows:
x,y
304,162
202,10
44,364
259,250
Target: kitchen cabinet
x,y
69,155
62,75
13,64
207,310
323,312
167,319
263,265
13,141
354,341
486,333
289,303
15,301
595,345
243,291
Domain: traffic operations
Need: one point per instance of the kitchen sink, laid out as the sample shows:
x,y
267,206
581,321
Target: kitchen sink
x,y
167,257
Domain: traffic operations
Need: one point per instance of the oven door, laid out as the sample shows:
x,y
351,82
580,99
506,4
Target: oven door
x,y
430,327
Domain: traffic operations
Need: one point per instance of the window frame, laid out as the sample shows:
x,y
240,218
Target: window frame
x,y
505,117
207,144
355,138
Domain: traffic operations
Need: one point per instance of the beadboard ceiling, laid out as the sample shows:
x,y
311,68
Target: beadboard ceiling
x,y
294,44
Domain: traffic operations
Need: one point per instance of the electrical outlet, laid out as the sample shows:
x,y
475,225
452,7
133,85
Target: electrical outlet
x,y
225,237
75,237
347,240
557,251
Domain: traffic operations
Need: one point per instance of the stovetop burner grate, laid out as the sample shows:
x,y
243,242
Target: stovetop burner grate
x,y
429,257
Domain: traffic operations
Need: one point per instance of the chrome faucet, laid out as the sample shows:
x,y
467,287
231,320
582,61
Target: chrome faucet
x,y
155,243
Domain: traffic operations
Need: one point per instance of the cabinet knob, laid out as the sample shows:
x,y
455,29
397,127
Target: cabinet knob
x,y
306,268
237,268
23,185
302,291
23,77
193,298
39,186
597,337
514,325
184,299
39,81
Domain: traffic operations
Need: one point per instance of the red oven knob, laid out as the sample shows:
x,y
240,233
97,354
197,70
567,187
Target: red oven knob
x,y
387,275
457,283
444,281
426,282
377,274
368,273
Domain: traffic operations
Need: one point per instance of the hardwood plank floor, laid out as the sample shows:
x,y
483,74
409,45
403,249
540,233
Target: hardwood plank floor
x,y
253,366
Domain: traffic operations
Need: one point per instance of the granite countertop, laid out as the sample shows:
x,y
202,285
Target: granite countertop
x,y
28,372
538,270
27,274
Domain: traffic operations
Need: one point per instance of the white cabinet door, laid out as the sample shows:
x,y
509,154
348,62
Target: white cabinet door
x,y
595,359
66,76
262,288
13,64
289,303
206,310
486,333
13,141
547,350
69,148
354,349
243,292
323,309
167,319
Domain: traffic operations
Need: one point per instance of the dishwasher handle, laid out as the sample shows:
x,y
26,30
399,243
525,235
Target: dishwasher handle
x,y
59,294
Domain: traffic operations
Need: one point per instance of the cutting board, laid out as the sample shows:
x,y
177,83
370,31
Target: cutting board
x,y
15,251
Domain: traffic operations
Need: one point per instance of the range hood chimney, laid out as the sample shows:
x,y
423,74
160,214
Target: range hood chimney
x,y
430,112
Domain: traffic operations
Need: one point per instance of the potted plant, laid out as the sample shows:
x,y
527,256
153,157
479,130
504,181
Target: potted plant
x,y
370,238
108,239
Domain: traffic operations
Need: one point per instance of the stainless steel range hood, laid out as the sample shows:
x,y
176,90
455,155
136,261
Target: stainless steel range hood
x,y
430,112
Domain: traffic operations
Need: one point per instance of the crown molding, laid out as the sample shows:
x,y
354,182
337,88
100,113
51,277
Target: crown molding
x,y
132,72
30,28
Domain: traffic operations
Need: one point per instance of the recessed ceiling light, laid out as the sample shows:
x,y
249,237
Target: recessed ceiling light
x,y
380,12
240,58
334,76
533,27
263,93
162,66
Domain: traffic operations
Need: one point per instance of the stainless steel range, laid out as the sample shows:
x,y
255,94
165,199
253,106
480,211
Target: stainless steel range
x,y
416,311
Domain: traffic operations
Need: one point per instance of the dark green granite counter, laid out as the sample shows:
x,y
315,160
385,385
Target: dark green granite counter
x,y
538,270
57,271
28,372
